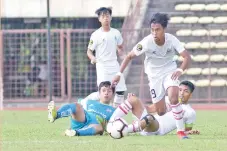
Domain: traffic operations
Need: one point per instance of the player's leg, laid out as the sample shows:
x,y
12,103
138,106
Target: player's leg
x,y
157,92
172,89
120,89
93,129
118,98
149,125
87,126
134,105
73,109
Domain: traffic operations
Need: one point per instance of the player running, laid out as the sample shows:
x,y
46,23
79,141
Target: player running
x,y
106,42
159,48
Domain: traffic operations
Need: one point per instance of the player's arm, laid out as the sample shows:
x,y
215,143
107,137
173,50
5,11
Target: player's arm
x,y
91,47
124,64
91,56
186,61
191,117
186,58
120,49
137,50
119,43
126,60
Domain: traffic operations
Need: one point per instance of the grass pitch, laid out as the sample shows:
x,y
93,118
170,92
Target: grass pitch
x,y
30,131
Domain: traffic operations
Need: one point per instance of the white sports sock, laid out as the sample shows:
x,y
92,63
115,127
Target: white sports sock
x,y
178,115
135,127
121,110
118,99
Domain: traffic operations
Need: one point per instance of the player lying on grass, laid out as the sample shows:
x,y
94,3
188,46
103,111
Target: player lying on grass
x,y
152,124
89,117
159,125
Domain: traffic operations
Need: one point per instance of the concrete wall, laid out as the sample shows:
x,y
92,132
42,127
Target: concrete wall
x,y
60,8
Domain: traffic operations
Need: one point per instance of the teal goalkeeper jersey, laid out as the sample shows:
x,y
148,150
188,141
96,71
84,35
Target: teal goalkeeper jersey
x,y
100,109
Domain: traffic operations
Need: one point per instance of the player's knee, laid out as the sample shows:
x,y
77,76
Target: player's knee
x,y
79,108
120,92
132,98
173,99
161,113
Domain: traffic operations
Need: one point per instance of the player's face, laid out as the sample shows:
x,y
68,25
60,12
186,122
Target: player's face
x,y
184,93
106,94
105,19
157,32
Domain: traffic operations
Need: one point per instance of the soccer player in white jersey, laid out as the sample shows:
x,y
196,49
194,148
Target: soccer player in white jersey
x,y
167,122
159,48
107,42
158,125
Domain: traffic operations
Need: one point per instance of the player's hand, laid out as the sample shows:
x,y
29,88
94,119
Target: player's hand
x,y
177,74
93,60
193,132
115,80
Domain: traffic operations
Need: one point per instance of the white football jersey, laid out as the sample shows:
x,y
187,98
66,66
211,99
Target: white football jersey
x,y
105,44
167,122
159,59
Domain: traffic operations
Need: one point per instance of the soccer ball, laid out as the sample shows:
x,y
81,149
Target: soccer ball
x,y
118,128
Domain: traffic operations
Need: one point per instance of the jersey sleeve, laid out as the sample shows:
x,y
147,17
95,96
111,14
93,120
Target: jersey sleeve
x,y
178,46
84,103
190,120
92,96
140,47
92,43
119,38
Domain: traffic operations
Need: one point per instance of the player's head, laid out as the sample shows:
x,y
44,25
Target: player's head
x,y
106,92
158,24
104,15
186,89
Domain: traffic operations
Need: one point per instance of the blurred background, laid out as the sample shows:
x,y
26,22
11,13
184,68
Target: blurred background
x,y
200,25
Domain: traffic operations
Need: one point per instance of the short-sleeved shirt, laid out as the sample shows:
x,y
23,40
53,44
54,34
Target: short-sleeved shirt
x,y
159,59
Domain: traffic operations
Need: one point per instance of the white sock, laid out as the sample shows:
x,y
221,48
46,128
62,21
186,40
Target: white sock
x,y
178,115
118,99
121,110
135,127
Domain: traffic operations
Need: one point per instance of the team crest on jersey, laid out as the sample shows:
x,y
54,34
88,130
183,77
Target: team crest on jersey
x,y
90,42
139,47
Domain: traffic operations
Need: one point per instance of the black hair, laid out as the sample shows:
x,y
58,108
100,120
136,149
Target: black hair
x,y
189,84
106,84
103,10
160,18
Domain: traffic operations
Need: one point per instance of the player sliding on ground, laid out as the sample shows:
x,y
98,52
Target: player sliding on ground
x,y
158,125
106,42
159,48
89,117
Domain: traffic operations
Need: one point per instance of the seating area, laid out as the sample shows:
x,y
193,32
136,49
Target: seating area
x,y
200,20
201,32
205,58
206,71
201,7
201,26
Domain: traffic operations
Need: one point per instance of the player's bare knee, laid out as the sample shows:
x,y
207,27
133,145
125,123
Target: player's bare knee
x,y
132,99
79,111
173,99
